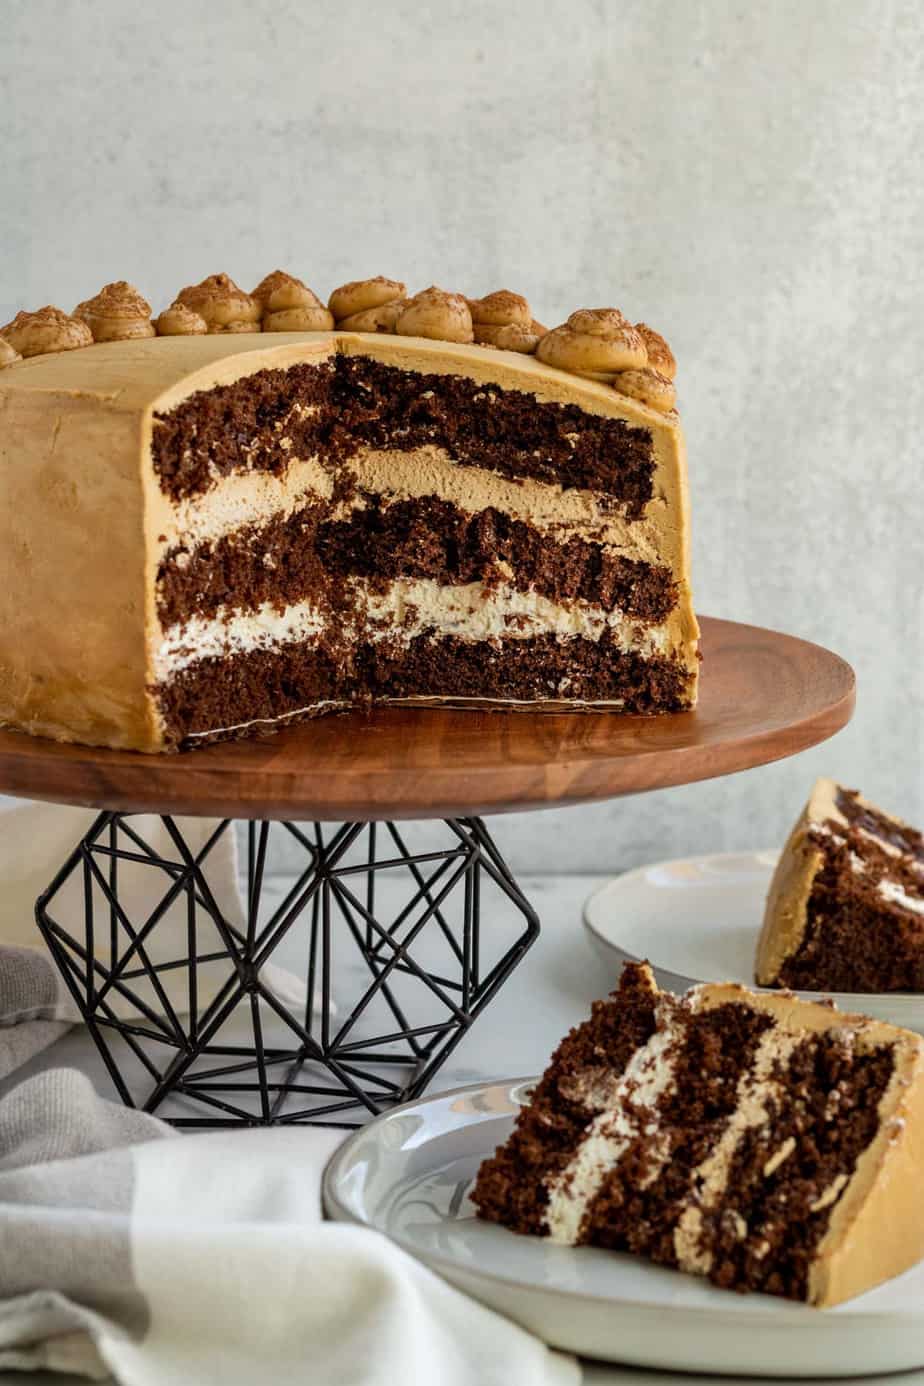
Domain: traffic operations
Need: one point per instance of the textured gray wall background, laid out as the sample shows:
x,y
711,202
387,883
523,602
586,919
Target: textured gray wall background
x,y
748,178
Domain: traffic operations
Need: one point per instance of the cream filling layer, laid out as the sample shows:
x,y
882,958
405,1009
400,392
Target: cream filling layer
x,y
256,498
217,639
648,1075
475,612
243,498
410,607
894,894
882,843
430,471
891,891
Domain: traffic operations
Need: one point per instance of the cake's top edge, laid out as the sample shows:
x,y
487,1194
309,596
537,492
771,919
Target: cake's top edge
x,y
597,344
822,803
786,1008
830,801
794,1012
158,373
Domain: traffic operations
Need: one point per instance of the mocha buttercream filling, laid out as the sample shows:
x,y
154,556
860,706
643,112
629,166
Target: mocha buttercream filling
x,y
547,505
244,500
311,548
259,498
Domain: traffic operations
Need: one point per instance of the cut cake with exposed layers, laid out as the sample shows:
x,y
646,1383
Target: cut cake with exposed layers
x,y
205,535
768,1143
845,909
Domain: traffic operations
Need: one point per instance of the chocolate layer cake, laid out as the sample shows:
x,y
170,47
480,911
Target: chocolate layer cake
x,y
765,1142
845,910
217,531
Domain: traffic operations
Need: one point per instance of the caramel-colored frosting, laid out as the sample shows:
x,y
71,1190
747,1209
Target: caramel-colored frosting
x,y
298,320
503,319
434,313
500,309
511,336
596,342
82,422
288,305
180,321
8,356
650,386
660,356
47,330
224,306
365,296
118,313
599,344
381,319
281,290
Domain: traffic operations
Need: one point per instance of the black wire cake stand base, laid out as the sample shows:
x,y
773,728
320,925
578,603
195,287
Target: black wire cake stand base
x,y
211,1029
354,969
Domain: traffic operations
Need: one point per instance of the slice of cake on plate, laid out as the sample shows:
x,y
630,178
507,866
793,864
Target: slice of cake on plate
x,y
259,508
845,910
765,1142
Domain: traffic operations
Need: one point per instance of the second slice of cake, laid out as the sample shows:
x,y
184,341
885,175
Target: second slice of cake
x,y
765,1142
845,910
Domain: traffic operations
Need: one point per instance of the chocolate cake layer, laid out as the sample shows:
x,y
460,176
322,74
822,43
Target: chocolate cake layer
x,y
639,1205
297,555
539,666
866,818
857,939
785,1171
224,695
845,908
276,562
716,1133
238,427
334,408
263,684
513,1186
433,538
830,1115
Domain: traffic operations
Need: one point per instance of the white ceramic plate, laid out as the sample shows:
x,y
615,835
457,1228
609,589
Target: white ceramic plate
x,y
408,1174
697,920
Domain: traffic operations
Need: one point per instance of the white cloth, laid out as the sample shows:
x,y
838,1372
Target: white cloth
x,y
35,842
204,1261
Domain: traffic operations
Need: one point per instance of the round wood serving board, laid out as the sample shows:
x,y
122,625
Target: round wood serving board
x,y
763,696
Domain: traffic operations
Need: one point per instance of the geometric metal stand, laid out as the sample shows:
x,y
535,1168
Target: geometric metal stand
x,y
189,1007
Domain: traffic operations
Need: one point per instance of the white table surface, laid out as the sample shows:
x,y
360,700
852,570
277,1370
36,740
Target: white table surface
x,y
551,991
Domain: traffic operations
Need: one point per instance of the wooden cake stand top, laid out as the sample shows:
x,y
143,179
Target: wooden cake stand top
x,y
763,696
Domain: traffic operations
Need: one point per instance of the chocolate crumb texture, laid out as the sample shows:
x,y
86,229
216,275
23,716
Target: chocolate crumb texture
x,y
353,402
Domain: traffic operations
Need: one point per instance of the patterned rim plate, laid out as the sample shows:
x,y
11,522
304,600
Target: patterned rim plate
x,y
697,920
408,1173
